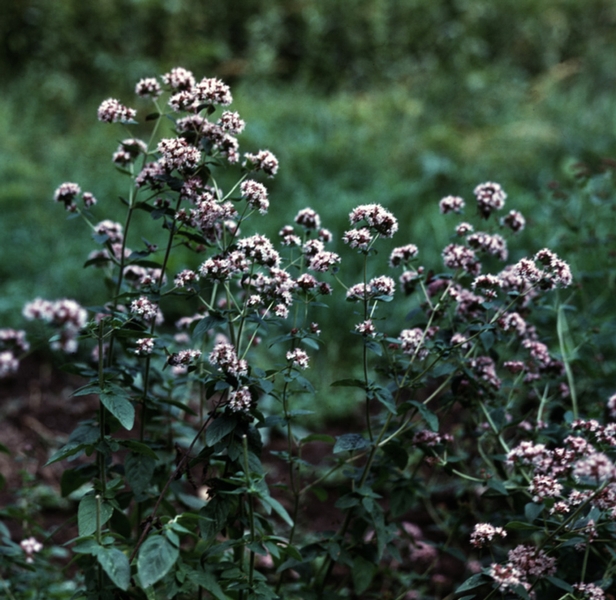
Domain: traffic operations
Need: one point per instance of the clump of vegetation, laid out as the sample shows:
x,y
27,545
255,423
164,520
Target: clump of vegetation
x,y
473,468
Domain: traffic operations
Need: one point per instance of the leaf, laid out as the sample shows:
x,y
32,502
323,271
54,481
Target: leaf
x,y
139,470
559,583
220,427
139,448
84,435
207,580
363,573
373,347
87,514
120,407
520,525
498,486
487,339
428,416
116,565
398,455
72,480
402,500
214,516
471,583
65,452
86,390
205,324
385,397
532,511
349,442
347,501
278,508
156,557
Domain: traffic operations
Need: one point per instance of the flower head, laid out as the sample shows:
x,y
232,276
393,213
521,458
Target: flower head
x,y
240,400
381,220
451,204
298,358
490,197
112,111
148,88
255,194
263,160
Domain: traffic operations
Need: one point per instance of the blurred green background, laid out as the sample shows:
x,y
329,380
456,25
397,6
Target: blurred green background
x,y
392,101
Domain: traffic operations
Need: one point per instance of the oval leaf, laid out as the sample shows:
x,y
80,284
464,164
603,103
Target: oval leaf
x,y
86,514
120,407
116,565
350,441
156,557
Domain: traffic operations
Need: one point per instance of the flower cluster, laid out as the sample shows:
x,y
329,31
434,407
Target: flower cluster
x,y
30,546
484,533
68,192
112,111
377,218
225,358
66,314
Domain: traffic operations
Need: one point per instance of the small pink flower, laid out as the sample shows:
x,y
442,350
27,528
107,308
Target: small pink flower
x,y
298,358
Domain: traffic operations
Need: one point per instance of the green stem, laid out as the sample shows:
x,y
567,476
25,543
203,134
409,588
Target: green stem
x,y
251,511
562,329
102,467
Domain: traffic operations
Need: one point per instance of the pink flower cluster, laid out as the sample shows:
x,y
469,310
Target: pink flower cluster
x,y
66,314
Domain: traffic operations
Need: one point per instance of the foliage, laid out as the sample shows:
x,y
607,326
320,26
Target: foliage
x,y
466,379
376,41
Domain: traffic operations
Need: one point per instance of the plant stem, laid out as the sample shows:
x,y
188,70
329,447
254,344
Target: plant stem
x,y
562,330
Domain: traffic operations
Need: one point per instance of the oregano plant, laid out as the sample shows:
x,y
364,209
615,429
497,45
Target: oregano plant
x,y
469,464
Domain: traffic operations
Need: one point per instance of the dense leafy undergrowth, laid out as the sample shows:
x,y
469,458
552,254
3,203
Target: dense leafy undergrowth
x,y
480,462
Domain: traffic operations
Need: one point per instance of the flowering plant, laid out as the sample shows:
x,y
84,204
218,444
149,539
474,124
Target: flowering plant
x,y
179,484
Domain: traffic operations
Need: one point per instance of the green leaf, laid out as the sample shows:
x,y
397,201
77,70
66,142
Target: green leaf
x,y
139,469
72,479
4,449
205,324
559,583
89,506
498,486
86,390
66,451
156,557
471,583
385,397
278,508
139,448
116,565
487,339
520,525
208,581
402,500
532,511
219,428
349,442
428,416
363,573
347,501
120,407
214,516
